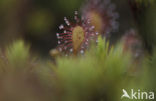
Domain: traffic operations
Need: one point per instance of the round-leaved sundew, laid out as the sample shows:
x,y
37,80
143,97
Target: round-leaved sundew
x,y
76,36
102,15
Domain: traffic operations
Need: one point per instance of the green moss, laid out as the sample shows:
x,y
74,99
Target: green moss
x,y
92,75
99,75
17,54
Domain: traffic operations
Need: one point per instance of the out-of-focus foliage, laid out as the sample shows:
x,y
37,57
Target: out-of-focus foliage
x,y
40,21
145,1
20,75
150,23
15,56
98,75
151,70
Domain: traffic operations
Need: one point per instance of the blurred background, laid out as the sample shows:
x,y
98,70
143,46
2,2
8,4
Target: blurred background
x,y
37,21
25,78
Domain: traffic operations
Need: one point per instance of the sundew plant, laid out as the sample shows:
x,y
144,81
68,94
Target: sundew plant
x,y
77,50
